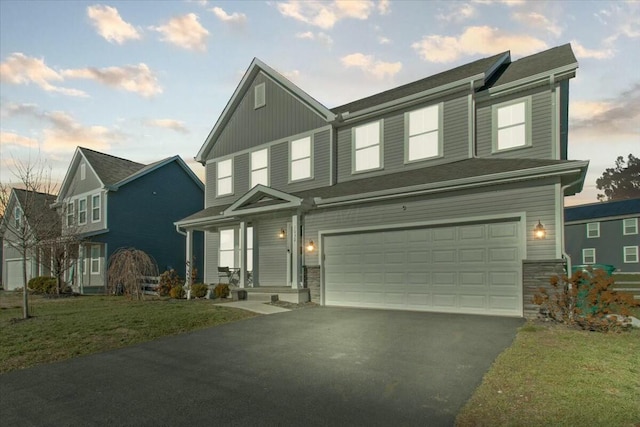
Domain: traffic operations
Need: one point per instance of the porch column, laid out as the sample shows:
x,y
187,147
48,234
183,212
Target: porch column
x,y
295,251
81,268
242,256
188,257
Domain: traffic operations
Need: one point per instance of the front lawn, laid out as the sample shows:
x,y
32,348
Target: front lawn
x,y
69,327
555,375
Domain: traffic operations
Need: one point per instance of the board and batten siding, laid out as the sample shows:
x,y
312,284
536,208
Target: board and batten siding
x,y
80,186
282,116
455,140
535,198
273,251
541,127
211,245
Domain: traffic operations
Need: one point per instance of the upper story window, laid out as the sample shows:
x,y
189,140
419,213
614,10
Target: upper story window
x,y
70,213
367,147
300,156
422,133
630,226
82,211
593,230
95,208
260,167
224,175
259,96
630,254
83,171
512,124
589,256
17,216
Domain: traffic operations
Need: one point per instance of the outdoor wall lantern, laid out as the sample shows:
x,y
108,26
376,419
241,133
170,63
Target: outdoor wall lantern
x,y
539,231
282,233
311,246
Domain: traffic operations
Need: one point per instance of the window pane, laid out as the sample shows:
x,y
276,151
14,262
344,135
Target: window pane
x,y
423,146
249,237
367,135
301,148
368,158
224,186
226,259
511,115
300,169
511,137
260,177
630,254
259,159
224,168
423,120
226,239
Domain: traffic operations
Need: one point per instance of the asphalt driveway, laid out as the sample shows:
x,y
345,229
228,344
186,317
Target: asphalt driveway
x,y
316,366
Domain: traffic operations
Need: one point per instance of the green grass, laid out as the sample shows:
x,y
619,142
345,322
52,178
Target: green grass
x,y
69,327
554,375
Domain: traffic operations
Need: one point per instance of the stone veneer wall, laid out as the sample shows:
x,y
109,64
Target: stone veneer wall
x,y
312,281
536,275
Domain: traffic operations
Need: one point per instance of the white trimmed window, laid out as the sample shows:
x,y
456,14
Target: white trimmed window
x,y
367,147
300,152
95,259
630,226
226,252
17,216
593,230
630,254
589,256
70,213
249,248
260,167
511,124
82,211
95,208
259,96
224,175
422,130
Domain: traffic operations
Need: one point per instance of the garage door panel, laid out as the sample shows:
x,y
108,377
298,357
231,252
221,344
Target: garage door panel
x,y
472,268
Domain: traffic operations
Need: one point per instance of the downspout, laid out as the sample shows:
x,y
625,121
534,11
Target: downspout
x,y
564,253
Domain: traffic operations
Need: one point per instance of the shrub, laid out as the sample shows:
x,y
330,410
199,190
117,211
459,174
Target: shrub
x,y
199,290
221,290
43,285
177,292
586,299
168,280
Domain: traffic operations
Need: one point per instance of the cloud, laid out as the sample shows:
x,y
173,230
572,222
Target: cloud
x,y
21,69
476,40
175,125
538,21
509,3
371,66
292,75
10,138
609,118
383,40
321,37
458,13
384,7
110,24
583,53
185,32
324,14
132,78
623,18
235,18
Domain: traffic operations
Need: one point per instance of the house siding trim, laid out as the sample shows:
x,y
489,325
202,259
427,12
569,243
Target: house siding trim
x,y
528,124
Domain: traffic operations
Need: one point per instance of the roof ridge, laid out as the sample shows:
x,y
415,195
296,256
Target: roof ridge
x,y
109,155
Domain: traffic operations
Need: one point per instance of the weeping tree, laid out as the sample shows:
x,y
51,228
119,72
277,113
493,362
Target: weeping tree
x,y
128,268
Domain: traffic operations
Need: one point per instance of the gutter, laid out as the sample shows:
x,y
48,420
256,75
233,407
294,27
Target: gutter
x,y
564,253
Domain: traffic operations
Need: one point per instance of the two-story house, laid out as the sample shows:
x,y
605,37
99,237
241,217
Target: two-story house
x,y
445,194
114,203
604,233
27,222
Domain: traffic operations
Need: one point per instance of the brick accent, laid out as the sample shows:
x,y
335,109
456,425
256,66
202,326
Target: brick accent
x,y
536,275
312,281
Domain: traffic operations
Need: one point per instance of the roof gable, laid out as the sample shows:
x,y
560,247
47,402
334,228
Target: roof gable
x,y
262,199
155,166
241,90
35,207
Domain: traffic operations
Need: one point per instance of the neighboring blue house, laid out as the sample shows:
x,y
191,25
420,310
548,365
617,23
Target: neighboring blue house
x,y
115,203
445,194
604,233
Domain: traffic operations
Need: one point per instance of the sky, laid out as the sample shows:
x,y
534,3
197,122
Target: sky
x,y
147,80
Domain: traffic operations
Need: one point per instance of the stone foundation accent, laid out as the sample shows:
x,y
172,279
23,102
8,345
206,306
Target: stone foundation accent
x,y
536,275
312,281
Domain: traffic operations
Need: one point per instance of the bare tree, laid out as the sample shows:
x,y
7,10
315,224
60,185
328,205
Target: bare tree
x,y
128,267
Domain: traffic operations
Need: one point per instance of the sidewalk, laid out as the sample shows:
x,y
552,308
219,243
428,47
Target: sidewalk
x,y
255,306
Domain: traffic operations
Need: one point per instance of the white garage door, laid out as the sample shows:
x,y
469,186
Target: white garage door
x,y
15,278
464,269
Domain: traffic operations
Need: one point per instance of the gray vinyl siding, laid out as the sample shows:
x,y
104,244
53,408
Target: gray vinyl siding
x,y
535,198
541,127
273,251
79,186
211,242
282,116
90,226
241,181
455,140
609,246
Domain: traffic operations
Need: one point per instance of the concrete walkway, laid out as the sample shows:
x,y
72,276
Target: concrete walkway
x,y
256,306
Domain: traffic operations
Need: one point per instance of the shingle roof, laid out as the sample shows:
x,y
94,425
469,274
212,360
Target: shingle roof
x,y
535,64
38,205
110,169
602,210
431,82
